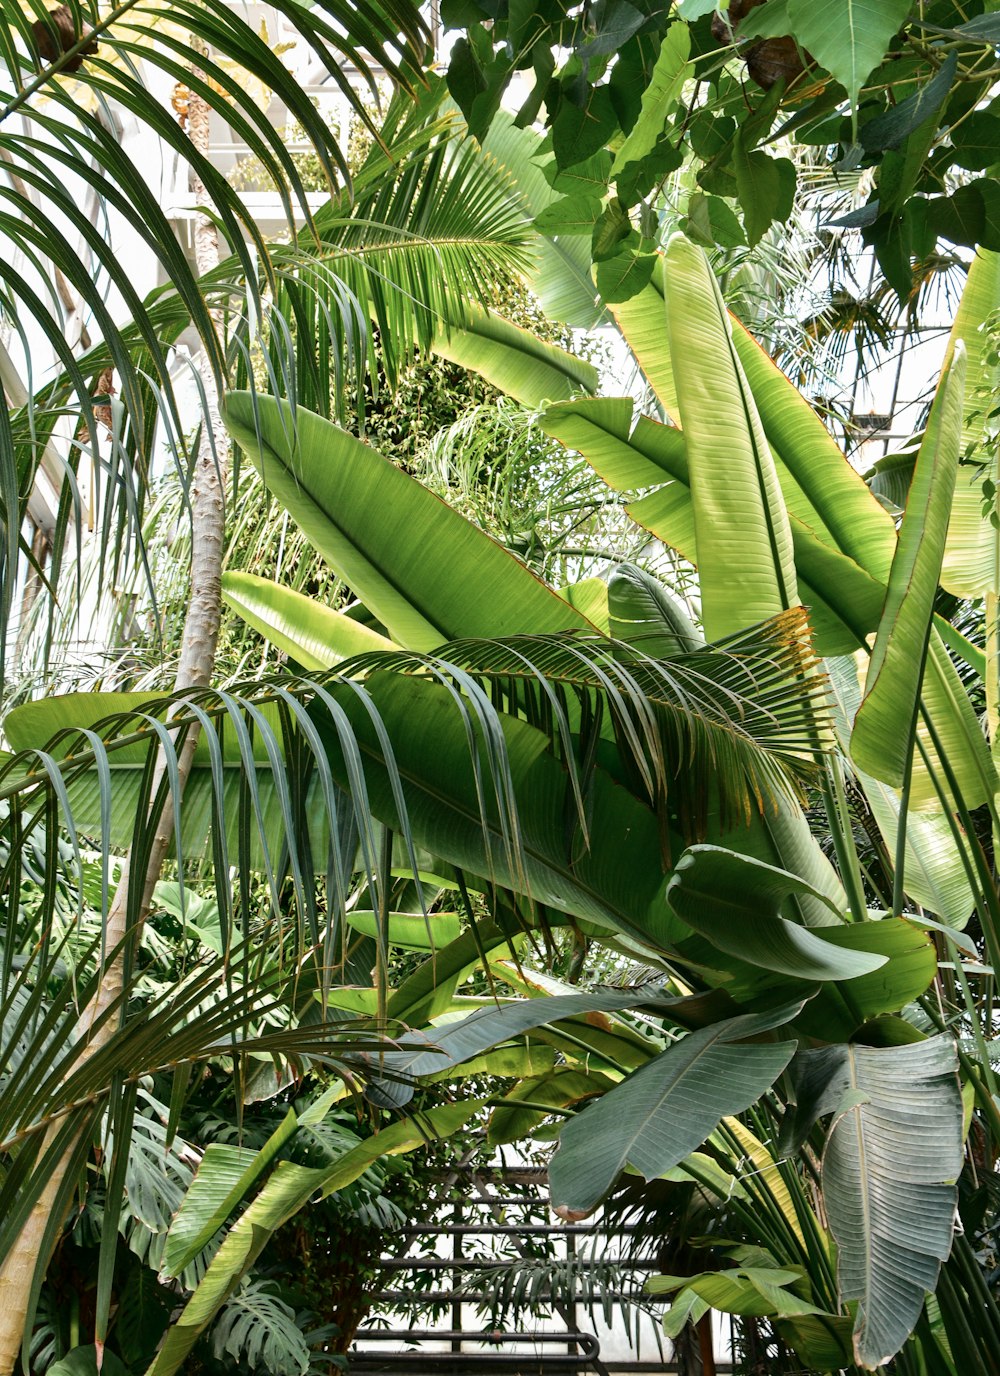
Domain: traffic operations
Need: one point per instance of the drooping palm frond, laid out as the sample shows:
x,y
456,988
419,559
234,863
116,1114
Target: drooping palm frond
x,y
431,228
520,725
490,761
429,225
747,714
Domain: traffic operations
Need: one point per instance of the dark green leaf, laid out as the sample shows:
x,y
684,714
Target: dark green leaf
x,y
766,188
579,131
664,1110
735,902
620,277
889,129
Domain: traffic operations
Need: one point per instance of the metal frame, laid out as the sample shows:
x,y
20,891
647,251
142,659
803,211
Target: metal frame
x,y
570,1349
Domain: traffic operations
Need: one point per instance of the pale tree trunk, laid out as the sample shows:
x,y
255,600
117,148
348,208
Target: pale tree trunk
x,y
195,667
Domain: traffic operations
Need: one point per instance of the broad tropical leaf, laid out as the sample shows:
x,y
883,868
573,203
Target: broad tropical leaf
x,y
736,903
424,1053
666,1109
935,874
314,635
744,544
882,740
971,566
526,368
891,1160
333,484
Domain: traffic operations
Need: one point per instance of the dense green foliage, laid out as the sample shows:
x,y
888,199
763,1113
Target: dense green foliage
x,y
464,746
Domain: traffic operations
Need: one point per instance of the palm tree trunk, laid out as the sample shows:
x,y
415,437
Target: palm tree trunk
x,y
195,667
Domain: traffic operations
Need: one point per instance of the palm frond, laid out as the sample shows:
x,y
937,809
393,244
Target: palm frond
x,y
280,764
80,113
429,225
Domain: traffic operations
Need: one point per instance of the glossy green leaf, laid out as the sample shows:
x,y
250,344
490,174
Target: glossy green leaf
x,y
314,635
765,186
736,902
745,560
664,1110
752,1291
892,1157
882,738
971,566
839,1009
332,484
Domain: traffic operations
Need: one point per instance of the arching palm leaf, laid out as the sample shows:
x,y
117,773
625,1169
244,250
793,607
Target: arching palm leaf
x,y
429,225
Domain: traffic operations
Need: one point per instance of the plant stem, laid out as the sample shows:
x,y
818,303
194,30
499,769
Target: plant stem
x,y
839,819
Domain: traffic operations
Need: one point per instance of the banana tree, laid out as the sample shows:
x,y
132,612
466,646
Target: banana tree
x,y
562,773
751,489
754,933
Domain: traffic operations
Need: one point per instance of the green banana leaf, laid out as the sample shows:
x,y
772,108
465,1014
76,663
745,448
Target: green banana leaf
x,y
430,989
666,1109
855,522
314,635
735,902
528,369
601,1042
820,487
428,574
838,1010
882,741
890,1165
744,544
935,874
749,1290
971,566
590,598
642,612
225,1174
844,601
